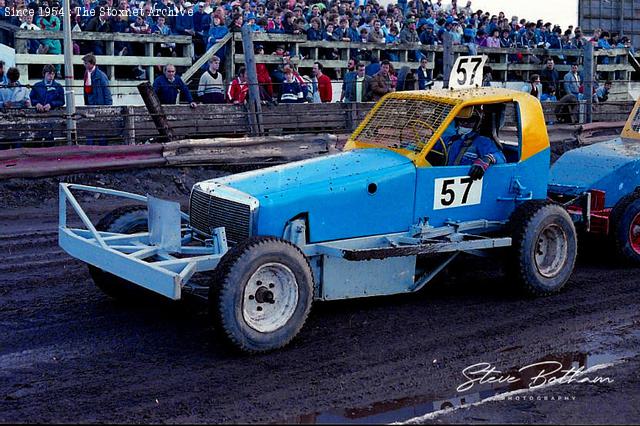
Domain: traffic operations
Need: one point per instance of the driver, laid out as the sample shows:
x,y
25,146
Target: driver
x,y
467,146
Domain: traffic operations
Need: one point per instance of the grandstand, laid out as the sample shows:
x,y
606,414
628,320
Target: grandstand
x,y
190,30
131,46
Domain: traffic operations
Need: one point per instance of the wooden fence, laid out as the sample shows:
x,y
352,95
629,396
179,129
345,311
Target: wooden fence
x,y
132,124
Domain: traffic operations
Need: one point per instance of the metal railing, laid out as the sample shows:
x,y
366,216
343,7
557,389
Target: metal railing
x,y
508,64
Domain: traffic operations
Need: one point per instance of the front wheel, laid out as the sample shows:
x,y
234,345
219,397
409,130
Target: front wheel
x,y
122,220
544,247
261,294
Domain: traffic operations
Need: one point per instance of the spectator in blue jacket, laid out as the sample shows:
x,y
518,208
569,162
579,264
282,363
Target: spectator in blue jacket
x,y
314,33
603,43
184,20
428,37
290,90
169,86
505,39
48,93
96,83
572,82
216,31
251,23
200,20
392,38
602,92
373,67
342,32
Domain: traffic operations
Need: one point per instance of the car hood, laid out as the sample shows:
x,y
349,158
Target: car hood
x,y
321,170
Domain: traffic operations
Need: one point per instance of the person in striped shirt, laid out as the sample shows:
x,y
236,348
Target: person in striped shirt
x,y
211,85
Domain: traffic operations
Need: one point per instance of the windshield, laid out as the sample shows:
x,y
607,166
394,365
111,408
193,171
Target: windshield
x,y
404,123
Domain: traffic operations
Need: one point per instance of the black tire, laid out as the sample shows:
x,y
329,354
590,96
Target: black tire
x,y
242,318
125,220
544,249
624,228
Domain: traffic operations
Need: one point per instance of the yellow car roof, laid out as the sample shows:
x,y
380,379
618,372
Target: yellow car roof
x,y
481,94
534,136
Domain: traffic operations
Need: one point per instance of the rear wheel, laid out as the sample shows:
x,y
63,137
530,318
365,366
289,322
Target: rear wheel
x,y
123,220
625,227
261,294
544,247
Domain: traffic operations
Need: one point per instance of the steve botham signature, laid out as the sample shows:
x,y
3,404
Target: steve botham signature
x,y
549,372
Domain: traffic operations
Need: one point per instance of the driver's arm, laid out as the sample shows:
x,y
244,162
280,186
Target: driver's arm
x,y
488,154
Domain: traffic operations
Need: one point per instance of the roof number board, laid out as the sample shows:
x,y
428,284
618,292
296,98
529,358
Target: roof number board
x,y
467,72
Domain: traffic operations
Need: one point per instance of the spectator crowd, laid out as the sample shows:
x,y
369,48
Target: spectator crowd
x,y
368,77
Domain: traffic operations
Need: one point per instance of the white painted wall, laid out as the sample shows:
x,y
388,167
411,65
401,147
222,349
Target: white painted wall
x,y
8,55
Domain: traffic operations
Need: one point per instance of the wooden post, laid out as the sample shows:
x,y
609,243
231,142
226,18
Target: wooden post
x,y
149,53
129,125
589,79
189,51
448,59
110,51
253,102
230,58
156,111
21,45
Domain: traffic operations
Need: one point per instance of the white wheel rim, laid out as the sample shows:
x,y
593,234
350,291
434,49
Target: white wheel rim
x,y
551,250
270,297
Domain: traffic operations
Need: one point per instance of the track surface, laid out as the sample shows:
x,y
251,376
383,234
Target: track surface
x,y
70,354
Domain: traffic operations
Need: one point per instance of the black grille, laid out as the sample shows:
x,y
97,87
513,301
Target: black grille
x,y
207,212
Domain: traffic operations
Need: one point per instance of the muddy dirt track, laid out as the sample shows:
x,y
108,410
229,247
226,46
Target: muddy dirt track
x,y
70,354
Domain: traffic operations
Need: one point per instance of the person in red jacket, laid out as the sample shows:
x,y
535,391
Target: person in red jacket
x,y
264,79
322,90
239,88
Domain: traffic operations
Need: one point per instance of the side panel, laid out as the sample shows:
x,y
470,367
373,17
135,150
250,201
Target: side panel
x,y
619,182
379,202
502,187
610,166
342,279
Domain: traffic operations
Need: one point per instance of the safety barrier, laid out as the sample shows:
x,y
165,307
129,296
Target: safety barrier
x,y
102,125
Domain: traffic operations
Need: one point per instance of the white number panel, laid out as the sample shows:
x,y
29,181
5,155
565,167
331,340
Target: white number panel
x,y
456,191
467,72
